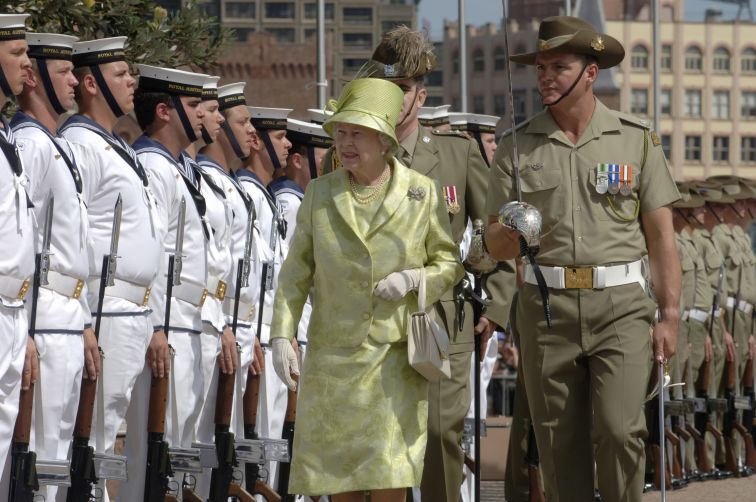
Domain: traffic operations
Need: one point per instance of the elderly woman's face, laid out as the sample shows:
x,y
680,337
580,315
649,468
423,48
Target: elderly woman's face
x,y
357,146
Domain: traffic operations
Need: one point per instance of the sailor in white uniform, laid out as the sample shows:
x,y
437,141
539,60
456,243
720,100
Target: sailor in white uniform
x,y
168,110
16,246
268,154
109,168
63,333
309,145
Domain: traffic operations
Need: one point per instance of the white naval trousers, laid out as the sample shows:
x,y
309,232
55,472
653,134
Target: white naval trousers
x,y
13,333
211,347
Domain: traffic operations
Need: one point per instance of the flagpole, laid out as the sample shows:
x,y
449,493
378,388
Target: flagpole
x,y
462,58
656,63
321,84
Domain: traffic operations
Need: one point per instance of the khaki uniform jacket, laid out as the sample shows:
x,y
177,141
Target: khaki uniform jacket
x,y
454,160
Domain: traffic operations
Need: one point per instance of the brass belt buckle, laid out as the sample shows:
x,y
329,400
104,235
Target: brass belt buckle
x,y
146,297
202,299
220,291
24,288
77,289
578,278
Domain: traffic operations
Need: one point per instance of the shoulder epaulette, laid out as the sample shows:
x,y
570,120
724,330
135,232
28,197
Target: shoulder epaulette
x,y
518,127
452,134
632,119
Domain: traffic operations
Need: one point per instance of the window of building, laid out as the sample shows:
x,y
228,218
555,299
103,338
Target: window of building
x,y
352,65
361,41
665,102
358,15
500,63
748,60
665,58
434,79
720,104
455,64
283,35
639,57
748,104
520,98
500,104
311,10
390,25
479,61
721,63
639,101
240,34
240,10
692,103
434,101
693,148
279,10
666,141
537,101
479,104
720,151
693,59
748,149
521,49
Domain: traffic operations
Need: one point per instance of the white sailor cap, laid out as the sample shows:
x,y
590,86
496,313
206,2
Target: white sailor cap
x,y
231,95
473,122
307,133
210,88
97,52
170,81
269,118
433,116
50,46
319,116
12,26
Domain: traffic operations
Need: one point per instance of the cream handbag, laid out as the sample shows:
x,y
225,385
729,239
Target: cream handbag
x,y
427,341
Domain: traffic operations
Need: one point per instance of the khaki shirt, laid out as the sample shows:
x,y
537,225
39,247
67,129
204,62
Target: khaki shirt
x,y
581,226
703,295
688,266
725,242
713,259
748,287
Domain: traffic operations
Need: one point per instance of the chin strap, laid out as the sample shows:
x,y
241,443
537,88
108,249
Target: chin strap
x,y
188,129
530,253
44,73
569,91
311,161
206,136
4,86
232,140
103,85
263,133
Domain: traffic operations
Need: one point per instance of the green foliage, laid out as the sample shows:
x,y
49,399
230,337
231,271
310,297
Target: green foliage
x,y
185,37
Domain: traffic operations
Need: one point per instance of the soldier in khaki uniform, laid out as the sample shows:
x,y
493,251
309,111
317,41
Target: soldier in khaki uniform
x,y
595,175
455,162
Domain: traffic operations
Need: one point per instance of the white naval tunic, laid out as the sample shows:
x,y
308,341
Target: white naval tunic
x,y
61,317
169,177
16,264
126,328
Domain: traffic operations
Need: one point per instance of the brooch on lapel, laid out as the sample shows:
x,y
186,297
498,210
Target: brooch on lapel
x,y
416,193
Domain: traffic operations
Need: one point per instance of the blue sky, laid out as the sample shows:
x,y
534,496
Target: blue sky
x,y
478,12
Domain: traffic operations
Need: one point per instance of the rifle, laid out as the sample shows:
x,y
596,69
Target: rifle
x,y
23,478
534,474
288,434
222,480
748,415
678,421
158,461
84,460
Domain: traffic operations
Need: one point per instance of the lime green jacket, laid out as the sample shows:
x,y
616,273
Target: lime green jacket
x,y
330,259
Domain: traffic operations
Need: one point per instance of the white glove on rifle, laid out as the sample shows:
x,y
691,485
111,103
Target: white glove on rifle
x,y
394,286
285,361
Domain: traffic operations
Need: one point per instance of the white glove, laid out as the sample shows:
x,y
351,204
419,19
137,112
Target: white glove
x,y
285,361
394,286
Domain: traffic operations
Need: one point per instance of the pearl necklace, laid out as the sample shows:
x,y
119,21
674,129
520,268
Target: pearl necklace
x,y
373,191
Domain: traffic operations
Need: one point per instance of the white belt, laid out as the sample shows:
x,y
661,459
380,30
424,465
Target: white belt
x,y
217,288
730,302
718,312
14,288
64,285
125,290
190,293
685,315
698,315
598,277
746,307
247,311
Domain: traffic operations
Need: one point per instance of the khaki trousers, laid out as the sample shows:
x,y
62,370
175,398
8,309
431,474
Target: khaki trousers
x,y
697,333
586,380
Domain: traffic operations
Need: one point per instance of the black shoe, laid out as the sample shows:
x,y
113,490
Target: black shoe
x,y
648,487
721,474
746,471
596,496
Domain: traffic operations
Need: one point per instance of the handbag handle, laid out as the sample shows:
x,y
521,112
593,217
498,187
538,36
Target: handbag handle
x,y
421,291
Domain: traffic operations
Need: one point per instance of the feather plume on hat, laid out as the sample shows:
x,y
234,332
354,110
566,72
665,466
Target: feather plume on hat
x,y
402,53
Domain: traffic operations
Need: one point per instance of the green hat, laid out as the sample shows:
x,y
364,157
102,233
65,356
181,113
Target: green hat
x,y
711,192
733,186
402,53
368,102
572,35
688,198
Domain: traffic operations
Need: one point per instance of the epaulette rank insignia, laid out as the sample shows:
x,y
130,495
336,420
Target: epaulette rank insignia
x,y
459,134
655,138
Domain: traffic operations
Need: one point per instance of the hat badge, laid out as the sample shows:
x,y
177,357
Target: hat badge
x,y
597,44
389,70
543,45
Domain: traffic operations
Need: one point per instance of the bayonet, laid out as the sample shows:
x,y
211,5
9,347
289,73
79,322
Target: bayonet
x,y
44,258
115,235
246,260
178,255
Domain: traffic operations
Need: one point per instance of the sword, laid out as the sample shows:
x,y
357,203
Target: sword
x,y
519,215
662,441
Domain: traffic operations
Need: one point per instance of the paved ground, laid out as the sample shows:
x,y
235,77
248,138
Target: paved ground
x,y
729,490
